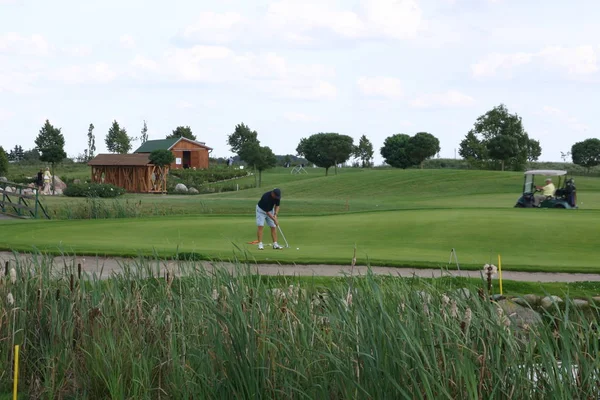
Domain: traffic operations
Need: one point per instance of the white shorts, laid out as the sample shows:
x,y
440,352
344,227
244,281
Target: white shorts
x,y
261,216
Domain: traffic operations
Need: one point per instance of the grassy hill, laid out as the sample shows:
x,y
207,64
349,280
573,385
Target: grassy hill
x,y
394,217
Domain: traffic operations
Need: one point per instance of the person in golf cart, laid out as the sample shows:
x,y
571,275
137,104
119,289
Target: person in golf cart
x,y
267,209
547,191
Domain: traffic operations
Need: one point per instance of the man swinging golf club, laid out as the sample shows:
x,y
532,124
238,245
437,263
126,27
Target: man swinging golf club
x,y
267,209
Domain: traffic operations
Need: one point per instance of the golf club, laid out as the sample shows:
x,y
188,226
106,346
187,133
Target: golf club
x,y
283,236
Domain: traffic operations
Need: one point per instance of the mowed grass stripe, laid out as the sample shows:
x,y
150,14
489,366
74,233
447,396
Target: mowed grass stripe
x,y
535,240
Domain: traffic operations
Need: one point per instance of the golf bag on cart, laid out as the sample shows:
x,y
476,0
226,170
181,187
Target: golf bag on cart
x,y
571,192
568,193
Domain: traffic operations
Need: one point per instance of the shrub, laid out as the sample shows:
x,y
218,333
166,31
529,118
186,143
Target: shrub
x,y
93,190
200,178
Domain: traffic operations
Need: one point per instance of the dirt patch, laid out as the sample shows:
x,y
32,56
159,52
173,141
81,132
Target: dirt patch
x,y
106,266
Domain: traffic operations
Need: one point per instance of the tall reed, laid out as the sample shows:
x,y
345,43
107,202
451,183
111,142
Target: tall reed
x,y
192,333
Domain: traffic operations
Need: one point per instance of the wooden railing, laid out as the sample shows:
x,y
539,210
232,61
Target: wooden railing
x,y
17,202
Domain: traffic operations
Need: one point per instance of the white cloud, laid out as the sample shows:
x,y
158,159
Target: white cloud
x,y
80,74
580,60
144,64
576,61
77,51
127,41
266,72
563,117
299,117
216,28
395,19
380,86
451,98
494,63
33,45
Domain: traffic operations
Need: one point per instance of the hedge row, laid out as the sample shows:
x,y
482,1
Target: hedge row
x,y
93,190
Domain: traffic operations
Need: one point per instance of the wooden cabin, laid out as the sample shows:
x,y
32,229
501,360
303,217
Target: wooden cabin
x,y
132,172
188,153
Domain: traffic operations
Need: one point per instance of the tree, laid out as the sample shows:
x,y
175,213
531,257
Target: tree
x,y
534,150
16,154
3,162
50,142
117,140
503,148
364,151
260,157
395,151
497,122
326,150
162,157
421,147
144,133
91,143
240,136
182,131
586,153
31,156
473,150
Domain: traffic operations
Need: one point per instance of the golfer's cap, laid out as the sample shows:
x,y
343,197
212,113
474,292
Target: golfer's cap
x,y
277,193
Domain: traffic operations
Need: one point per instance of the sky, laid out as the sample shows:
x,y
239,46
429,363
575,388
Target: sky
x,y
292,68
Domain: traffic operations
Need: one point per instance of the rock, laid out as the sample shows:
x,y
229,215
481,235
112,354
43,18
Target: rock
x,y
28,192
549,301
529,300
464,293
193,190
8,189
59,184
596,299
58,192
519,315
76,181
181,188
580,303
3,179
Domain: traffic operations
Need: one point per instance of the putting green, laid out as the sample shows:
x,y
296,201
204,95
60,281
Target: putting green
x,y
542,240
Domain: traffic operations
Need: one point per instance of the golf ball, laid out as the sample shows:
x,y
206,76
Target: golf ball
x,y
297,248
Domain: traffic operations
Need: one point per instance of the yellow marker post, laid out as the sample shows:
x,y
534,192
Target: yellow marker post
x,y
500,272
16,380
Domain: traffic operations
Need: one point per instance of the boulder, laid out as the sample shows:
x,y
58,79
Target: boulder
x,y
520,316
581,303
58,192
181,188
550,301
59,184
8,189
193,190
3,179
528,300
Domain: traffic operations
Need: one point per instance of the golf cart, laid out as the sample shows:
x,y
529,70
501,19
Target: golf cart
x,y
565,195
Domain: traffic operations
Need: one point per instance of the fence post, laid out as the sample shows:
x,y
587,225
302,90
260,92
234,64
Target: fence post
x,y
3,186
19,209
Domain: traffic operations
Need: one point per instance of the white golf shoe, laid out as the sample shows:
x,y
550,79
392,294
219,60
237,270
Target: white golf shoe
x,y
277,246
260,246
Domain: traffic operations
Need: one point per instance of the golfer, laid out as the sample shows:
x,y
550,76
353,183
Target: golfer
x,y
267,209
547,192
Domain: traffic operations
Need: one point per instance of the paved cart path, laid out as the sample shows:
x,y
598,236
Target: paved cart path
x,y
106,266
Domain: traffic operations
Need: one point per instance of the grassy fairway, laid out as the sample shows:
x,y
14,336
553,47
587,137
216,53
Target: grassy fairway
x,y
546,240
